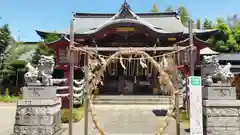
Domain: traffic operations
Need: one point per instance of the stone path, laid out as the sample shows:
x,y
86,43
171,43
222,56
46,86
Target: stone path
x,y
7,118
126,120
115,119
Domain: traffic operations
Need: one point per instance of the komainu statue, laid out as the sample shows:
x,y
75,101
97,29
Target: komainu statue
x,y
41,75
219,74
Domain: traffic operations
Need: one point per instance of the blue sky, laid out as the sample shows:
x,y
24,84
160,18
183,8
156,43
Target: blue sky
x,y
28,15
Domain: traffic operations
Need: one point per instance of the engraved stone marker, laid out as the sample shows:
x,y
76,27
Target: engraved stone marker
x,y
218,93
31,92
39,113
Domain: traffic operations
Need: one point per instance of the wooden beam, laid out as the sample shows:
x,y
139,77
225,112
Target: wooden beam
x,y
115,49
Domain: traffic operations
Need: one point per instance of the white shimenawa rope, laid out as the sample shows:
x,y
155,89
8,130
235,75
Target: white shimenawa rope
x,y
164,79
156,56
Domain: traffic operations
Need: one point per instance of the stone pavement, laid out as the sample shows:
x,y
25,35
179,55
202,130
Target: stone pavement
x,y
126,120
7,118
115,119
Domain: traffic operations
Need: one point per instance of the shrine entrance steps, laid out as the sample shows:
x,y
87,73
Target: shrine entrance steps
x,y
134,100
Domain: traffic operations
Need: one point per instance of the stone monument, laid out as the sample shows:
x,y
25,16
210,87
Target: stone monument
x,y
220,107
39,112
217,80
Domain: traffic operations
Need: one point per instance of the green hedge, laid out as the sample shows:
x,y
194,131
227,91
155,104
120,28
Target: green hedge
x,y
6,98
77,115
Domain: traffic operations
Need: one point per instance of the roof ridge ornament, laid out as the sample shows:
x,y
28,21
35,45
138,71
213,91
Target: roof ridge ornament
x,y
125,6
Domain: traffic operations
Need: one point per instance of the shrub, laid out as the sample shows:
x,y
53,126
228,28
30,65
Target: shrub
x,y
76,115
6,98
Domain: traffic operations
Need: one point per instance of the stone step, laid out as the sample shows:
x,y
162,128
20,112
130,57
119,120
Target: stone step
x,y
163,100
132,97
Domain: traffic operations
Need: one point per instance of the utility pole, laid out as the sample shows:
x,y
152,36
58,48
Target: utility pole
x,y
19,39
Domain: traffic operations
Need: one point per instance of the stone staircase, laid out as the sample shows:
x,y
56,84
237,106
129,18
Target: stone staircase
x,y
134,100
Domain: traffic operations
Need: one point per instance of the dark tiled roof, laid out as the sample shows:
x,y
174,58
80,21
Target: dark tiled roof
x,y
169,22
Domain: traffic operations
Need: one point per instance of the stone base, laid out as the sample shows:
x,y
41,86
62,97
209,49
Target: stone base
x,y
38,120
38,117
219,93
221,117
222,131
36,130
37,102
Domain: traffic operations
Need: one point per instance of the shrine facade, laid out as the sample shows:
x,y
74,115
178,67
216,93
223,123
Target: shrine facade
x,y
125,29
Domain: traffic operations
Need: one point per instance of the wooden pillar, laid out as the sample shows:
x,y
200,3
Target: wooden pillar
x,y
177,113
174,65
154,77
86,94
154,81
192,63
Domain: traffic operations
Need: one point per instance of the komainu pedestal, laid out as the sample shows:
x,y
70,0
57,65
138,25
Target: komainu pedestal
x,y
38,114
219,92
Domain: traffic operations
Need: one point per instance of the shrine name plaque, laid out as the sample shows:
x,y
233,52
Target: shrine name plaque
x,y
39,92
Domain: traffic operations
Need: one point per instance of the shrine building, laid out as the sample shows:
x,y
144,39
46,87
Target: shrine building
x,y
147,31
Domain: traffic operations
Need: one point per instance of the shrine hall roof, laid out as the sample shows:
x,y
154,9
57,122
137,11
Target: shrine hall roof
x,y
90,23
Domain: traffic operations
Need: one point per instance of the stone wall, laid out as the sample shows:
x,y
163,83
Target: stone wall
x,y
221,117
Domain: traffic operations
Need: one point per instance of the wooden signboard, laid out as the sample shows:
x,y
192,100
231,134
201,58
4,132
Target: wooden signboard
x,y
196,114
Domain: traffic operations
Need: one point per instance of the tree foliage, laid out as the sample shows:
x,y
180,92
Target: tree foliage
x,y
207,24
184,16
51,37
198,24
155,8
5,37
226,40
169,9
43,49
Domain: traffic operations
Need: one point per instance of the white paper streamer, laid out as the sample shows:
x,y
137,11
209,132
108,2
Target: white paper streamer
x,y
164,62
143,62
121,62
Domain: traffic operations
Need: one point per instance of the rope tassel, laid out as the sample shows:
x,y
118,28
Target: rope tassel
x,y
121,62
143,62
164,62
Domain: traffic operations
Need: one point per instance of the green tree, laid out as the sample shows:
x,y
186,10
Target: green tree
x,y
18,65
236,33
155,8
5,37
207,24
184,16
224,40
51,37
198,24
169,9
43,49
